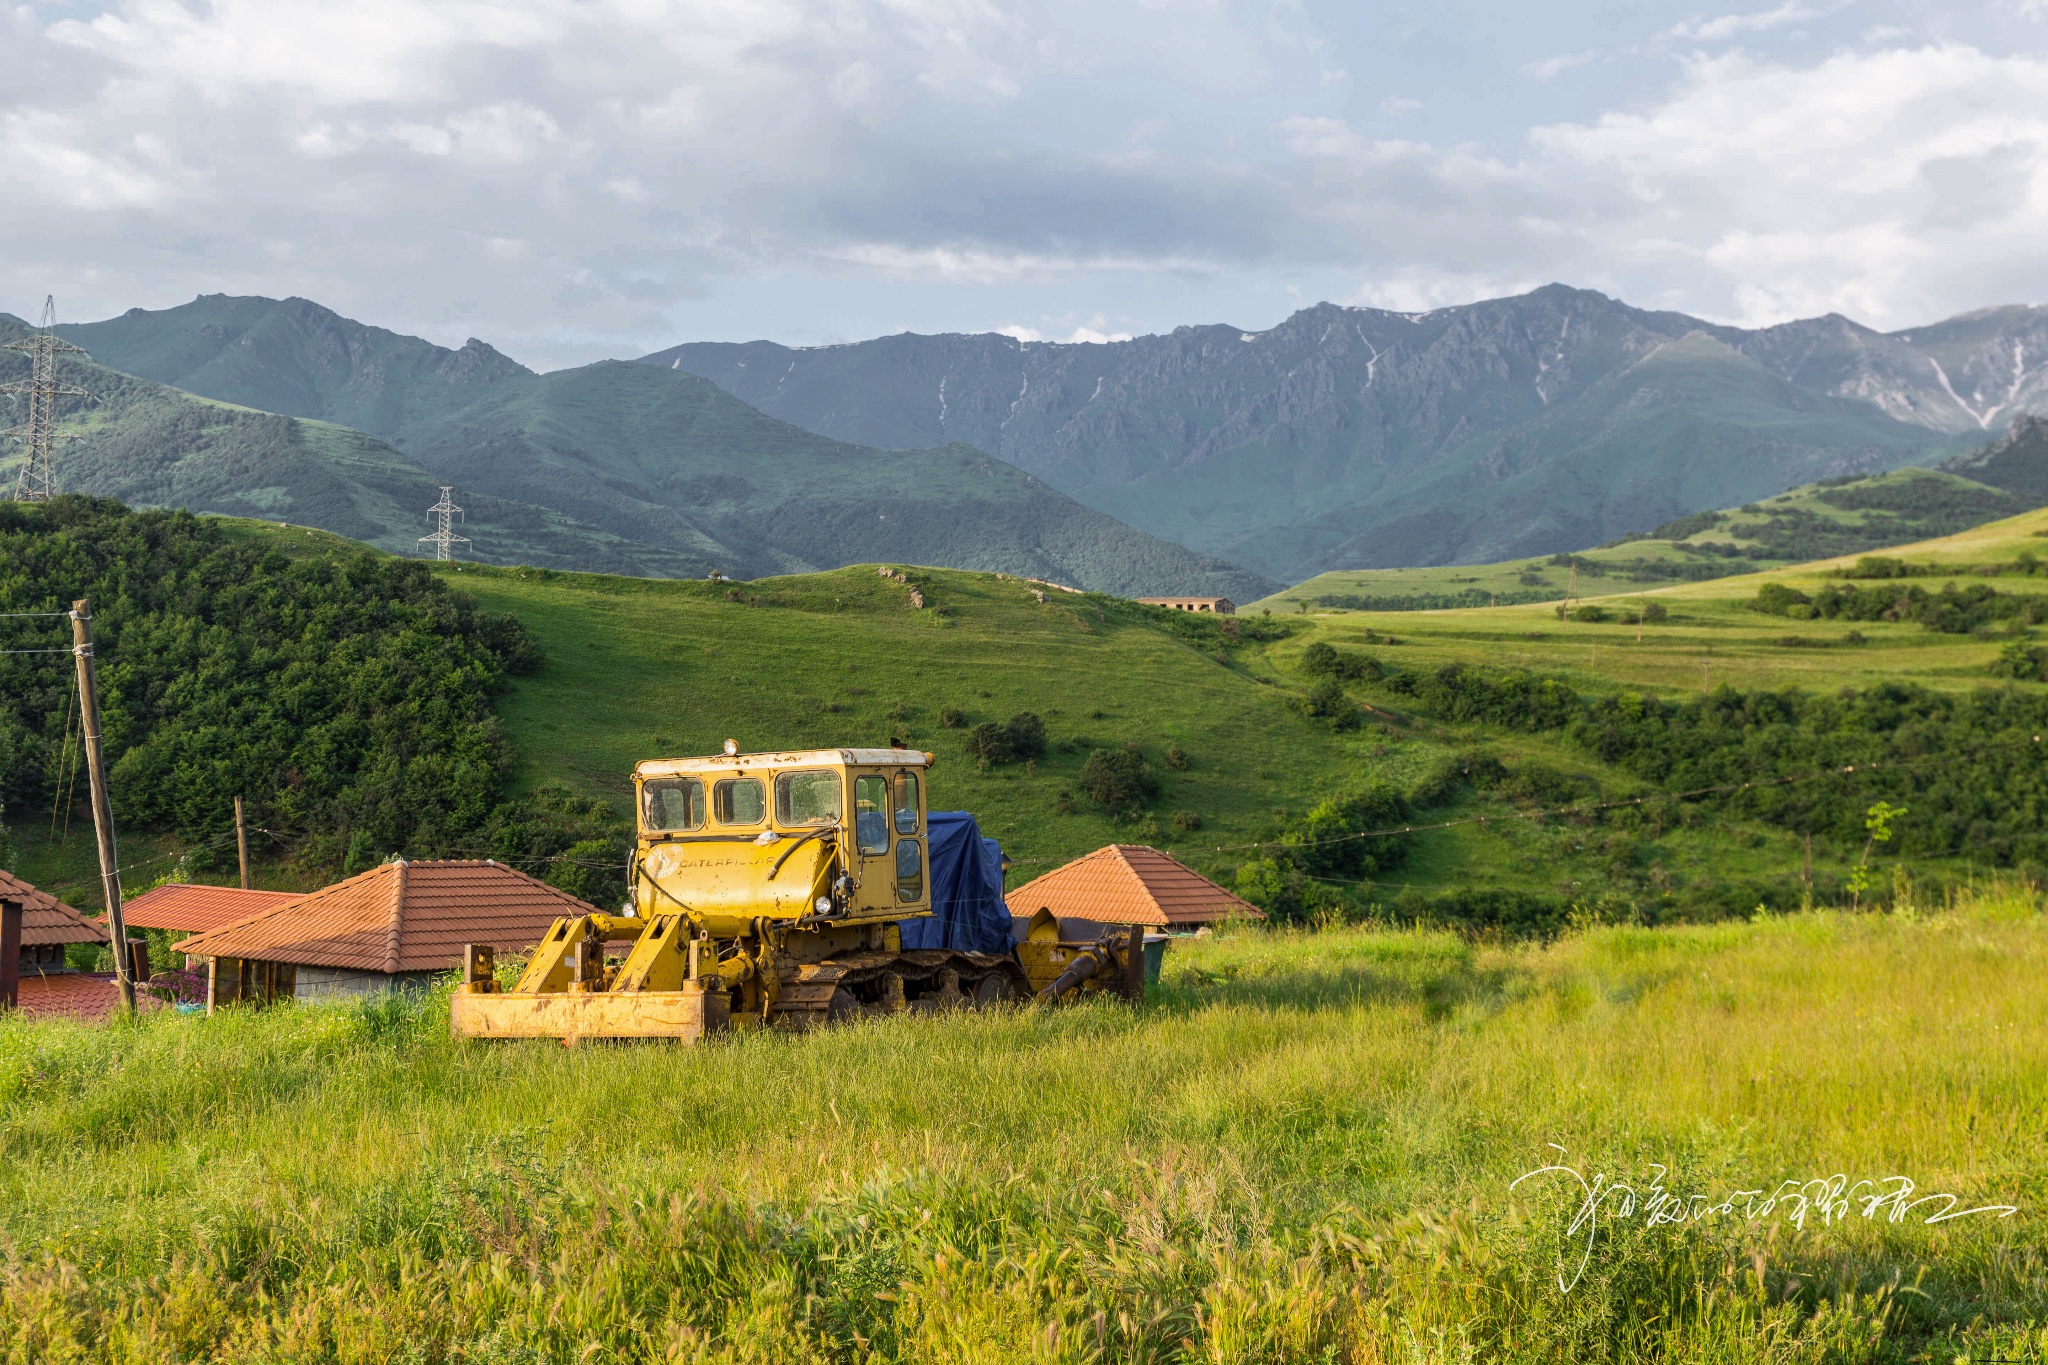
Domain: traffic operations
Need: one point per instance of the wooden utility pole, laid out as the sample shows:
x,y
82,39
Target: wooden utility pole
x,y
242,842
102,807
10,954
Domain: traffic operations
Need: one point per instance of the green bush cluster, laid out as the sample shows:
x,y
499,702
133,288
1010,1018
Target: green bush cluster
x,y
1022,736
1968,765
1119,779
1639,612
1343,839
348,697
1953,611
1327,701
2020,662
1323,660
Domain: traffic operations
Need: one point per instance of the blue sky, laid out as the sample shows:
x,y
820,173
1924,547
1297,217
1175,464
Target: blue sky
x,y
572,180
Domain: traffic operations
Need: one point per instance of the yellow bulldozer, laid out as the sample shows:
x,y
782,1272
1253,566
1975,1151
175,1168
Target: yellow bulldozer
x,y
778,889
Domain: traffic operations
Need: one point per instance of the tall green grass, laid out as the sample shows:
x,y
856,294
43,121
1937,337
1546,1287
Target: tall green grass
x,y
1300,1151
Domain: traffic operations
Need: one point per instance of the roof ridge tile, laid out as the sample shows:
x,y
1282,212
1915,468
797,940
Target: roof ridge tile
x,y
397,915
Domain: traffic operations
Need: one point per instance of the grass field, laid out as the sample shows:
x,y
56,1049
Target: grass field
x,y
1302,1151
1796,526
1709,637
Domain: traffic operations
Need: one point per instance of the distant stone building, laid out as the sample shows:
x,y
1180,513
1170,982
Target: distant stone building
x,y
1221,606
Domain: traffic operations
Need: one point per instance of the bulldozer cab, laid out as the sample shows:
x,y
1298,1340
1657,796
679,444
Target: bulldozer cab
x,y
816,837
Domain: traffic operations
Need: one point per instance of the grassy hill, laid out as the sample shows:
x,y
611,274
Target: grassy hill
x,y
1301,1151
1839,516
651,456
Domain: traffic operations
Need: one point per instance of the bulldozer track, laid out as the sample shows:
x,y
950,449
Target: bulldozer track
x,y
867,985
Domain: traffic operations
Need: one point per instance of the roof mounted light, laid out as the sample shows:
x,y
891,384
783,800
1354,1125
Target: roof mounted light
x,y
732,748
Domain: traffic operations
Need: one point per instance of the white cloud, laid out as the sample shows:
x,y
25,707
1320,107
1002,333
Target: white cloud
x,y
568,172
1760,21
1888,185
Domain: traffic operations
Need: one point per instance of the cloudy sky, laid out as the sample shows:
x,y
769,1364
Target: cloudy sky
x,y
574,180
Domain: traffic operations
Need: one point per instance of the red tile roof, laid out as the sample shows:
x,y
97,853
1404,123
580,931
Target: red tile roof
x,y
87,996
197,909
400,917
1129,884
45,919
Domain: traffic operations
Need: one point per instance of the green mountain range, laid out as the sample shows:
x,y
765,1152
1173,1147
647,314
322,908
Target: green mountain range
x,y
151,445
651,458
1361,438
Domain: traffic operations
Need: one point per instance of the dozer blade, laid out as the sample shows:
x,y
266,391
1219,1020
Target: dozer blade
x,y
685,1016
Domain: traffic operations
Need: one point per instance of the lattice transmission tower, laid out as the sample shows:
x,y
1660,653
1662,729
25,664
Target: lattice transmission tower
x,y
37,481
444,538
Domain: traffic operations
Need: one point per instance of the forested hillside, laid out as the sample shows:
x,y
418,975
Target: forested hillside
x,y
347,695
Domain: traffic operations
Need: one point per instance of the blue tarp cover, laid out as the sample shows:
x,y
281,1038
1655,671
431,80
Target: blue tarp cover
x,y
968,910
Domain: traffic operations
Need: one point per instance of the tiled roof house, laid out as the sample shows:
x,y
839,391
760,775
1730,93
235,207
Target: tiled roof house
x,y
184,908
398,925
46,987
1127,884
47,925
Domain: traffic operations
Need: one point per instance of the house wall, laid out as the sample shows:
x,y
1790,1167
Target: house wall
x,y
336,983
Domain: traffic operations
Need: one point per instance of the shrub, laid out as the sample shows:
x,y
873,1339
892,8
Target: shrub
x,y
1326,843
1119,779
1321,660
2020,662
1282,890
1590,612
1778,599
989,744
1177,758
1327,701
590,871
951,717
1026,733
1187,820
1453,773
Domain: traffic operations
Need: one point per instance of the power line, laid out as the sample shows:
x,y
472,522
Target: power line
x,y
37,481
444,537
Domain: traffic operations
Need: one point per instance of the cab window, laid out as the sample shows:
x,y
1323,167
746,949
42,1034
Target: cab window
x,y
906,803
909,870
668,804
871,814
808,798
739,801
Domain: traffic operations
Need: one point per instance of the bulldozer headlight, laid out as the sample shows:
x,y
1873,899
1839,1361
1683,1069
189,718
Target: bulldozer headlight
x,y
824,905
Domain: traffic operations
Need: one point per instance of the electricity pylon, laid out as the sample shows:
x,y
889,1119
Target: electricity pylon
x,y
38,481
443,537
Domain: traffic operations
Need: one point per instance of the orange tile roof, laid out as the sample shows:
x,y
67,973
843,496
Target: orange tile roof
x,y
87,996
400,917
45,919
1130,884
194,909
